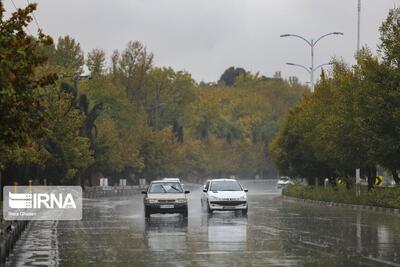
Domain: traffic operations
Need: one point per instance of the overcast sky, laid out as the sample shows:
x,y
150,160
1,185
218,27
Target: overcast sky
x,y
204,37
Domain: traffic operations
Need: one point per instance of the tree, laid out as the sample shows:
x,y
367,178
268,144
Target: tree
x,y
168,95
291,149
96,61
390,38
116,153
69,151
68,54
133,65
21,107
160,151
114,63
387,111
230,74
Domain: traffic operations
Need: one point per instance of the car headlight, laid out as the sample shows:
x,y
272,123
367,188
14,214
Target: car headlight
x,y
243,197
213,198
183,200
152,201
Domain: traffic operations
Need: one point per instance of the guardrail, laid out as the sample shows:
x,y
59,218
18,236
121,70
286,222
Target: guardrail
x,y
10,231
110,191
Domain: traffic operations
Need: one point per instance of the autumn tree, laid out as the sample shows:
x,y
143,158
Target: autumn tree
x,y
133,64
21,107
67,53
96,61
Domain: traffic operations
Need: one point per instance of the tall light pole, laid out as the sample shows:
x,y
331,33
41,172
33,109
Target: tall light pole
x,y
358,25
309,70
312,44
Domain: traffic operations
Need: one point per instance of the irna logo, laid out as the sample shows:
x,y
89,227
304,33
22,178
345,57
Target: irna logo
x,y
42,203
41,200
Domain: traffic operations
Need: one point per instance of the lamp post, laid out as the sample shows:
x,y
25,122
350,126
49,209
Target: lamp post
x,y
358,24
309,70
312,44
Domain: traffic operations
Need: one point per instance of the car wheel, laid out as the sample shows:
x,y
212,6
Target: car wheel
x,y
147,213
209,210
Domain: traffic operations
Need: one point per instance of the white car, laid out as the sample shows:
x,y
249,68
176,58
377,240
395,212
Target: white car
x,y
284,181
224,194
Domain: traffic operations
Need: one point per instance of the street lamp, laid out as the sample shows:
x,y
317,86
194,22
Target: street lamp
x,y
309,70
312,44
358,24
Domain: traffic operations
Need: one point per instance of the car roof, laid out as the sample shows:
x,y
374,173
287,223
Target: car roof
x,y
165,181
171,179
222,179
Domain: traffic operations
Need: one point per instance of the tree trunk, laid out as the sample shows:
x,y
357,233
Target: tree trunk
x,y
371,177
1,187
348,183
395,176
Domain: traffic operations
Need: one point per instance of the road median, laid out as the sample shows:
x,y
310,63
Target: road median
x,y
386,200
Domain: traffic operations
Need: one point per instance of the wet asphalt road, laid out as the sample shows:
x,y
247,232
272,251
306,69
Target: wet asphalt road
x,y
275,233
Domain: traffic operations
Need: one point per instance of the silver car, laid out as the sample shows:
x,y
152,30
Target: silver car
x,y
165,197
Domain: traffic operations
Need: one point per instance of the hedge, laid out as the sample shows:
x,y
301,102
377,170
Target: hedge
x,y
380,197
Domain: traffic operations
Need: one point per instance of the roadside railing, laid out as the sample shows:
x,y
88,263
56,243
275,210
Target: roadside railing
x,y
110,191
10,232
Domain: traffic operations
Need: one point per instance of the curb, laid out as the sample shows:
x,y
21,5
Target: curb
x,y
9,237
344,205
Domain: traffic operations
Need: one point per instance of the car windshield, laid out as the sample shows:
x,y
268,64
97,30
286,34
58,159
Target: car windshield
x,y
225,186
165,187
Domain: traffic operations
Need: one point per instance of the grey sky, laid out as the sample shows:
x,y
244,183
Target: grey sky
x,y
205,37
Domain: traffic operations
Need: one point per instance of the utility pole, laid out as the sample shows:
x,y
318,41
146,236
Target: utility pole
x,y
358,178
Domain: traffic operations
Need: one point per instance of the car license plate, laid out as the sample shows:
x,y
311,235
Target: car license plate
x,y
226,207
166,206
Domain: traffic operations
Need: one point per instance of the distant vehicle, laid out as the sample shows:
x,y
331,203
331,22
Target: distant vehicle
x,y
224,194
284,181
165,197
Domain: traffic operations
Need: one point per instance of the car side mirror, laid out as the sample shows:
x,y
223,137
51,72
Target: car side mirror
x,y
205,190
144,192
187,192
246,190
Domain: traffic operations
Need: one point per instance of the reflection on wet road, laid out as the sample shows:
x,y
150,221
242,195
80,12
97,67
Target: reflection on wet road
x,y
114,232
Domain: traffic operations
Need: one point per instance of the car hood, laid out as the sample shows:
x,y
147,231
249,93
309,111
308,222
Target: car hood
x,y
166,196
227,194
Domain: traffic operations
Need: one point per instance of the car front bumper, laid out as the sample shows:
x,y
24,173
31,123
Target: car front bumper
x,y
166,207
228,205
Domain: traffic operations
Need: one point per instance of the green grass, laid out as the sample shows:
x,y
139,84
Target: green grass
x,y
382,197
